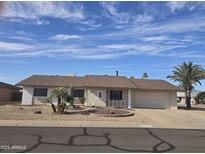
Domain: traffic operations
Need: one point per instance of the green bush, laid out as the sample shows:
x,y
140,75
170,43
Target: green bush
x,y
70,99
82,100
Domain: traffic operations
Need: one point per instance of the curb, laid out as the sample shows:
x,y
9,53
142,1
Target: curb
x,y
93,124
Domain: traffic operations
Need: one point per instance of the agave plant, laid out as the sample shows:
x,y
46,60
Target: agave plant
x,y
61,94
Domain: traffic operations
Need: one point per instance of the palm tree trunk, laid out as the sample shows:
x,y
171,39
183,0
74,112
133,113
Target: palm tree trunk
x,y
188,98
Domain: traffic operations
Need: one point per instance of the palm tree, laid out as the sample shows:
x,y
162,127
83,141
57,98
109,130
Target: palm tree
x,y
187,75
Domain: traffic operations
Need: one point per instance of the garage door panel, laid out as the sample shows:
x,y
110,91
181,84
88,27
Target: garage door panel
x,y
151,99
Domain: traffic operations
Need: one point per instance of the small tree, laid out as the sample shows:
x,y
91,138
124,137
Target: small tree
x,y
82,100
200,97
144,76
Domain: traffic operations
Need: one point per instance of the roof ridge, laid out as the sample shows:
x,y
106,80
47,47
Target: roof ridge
x,y
150,79
133,83
7,85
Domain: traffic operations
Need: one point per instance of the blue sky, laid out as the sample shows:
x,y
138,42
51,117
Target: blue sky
x,y
99,38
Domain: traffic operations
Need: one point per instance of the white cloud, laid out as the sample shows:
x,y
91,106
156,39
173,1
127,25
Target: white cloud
x,y
63,37
13,61
186,54
120,17
188,5
176,5
189,24
143,18
118,46
155,38
108,51
8,46
35,10
113,13
141,48
22,38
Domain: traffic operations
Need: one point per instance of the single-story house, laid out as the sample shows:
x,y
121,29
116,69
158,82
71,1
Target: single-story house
x,y
102,90
9,92
181,97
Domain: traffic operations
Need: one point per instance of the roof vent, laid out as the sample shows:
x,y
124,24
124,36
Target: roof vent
x,y
117,73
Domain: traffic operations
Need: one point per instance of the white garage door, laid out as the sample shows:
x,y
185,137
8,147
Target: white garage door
x,y
150,99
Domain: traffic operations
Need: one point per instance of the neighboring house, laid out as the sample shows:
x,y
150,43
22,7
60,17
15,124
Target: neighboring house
x,y
9,93
181,97
102,90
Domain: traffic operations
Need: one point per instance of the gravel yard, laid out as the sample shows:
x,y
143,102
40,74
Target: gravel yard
x,y
18,112
159,118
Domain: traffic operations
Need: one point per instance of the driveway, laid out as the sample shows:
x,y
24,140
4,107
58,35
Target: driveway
x,y
35,139
174,118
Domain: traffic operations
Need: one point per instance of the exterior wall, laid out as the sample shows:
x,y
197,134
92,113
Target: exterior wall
x,y
27,96
146,99
29,99
6,94
153,99
42,99
93,100
173,99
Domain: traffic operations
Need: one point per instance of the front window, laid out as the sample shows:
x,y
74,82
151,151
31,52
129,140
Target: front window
x,y
100,94
40,92
115,95
78,93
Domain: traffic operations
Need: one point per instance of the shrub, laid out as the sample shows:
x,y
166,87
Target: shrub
x,y
82,100
70,99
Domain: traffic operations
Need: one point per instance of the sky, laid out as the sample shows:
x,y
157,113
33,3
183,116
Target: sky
x,y
63,38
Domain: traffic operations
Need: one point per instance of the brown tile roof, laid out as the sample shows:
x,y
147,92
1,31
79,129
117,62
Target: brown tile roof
x,y
148,84
107,81
87,81
96,81
6,85
51,80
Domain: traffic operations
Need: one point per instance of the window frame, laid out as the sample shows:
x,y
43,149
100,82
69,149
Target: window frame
x,y
98,94
36,94
78,89
114,96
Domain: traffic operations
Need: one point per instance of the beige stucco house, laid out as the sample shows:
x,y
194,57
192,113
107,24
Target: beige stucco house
x,y
102,90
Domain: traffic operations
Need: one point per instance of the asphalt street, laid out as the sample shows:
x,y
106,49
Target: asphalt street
x,y
38,139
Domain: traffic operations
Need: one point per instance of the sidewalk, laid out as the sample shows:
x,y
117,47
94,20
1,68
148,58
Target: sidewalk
x,y
108,124
49,123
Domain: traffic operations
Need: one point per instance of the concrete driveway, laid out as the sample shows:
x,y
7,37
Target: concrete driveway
x,y
174,118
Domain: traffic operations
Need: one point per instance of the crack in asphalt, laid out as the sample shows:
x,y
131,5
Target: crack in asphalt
x,y
155,148
70,142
